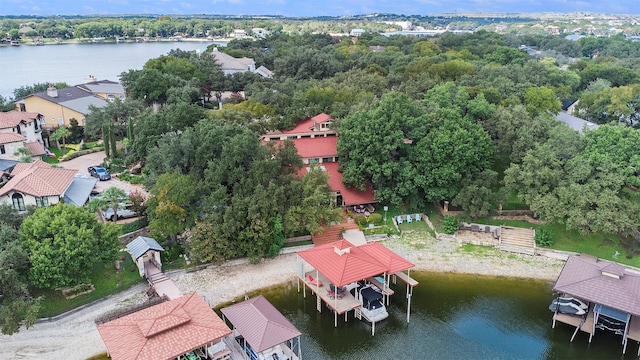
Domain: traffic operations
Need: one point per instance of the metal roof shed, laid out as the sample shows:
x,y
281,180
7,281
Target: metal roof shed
x,y
145,250
264,328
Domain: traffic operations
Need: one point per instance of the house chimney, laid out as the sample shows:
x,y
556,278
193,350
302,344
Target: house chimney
x,y
52,91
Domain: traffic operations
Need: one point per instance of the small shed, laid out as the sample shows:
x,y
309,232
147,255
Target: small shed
x,y
145,249
265,332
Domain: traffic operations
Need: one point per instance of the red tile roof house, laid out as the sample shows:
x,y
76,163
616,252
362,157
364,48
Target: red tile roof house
x,y
36,183
317,144
166,331
20,129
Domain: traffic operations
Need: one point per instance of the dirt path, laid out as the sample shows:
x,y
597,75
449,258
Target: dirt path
x,y
76,336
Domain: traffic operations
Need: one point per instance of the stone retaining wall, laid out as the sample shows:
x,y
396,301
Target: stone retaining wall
x,y
129,237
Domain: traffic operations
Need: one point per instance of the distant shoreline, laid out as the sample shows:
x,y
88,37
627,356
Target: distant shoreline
x,y
112,41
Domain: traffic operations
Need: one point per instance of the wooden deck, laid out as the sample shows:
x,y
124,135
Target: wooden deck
x,y
633,333
384,289
583,323
340,306
406,278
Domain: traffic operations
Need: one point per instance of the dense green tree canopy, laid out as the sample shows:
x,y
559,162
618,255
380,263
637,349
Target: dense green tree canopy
x,y
63,243
17,307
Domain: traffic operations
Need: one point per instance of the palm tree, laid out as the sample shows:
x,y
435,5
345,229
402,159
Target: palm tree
x,y
113,196
25,154
61,133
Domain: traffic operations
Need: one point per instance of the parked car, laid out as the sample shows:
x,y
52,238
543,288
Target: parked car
x,y
99,172
123,213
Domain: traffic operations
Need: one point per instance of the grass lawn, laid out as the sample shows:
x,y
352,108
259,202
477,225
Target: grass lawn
x,y
603,246
414,226
53,160
103,277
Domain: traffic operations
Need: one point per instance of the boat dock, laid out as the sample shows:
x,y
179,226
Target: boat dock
x,y
338,305
613,295
342,263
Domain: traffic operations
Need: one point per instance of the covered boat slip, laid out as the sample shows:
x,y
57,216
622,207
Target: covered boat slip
x,y
341,263
613,294
261,331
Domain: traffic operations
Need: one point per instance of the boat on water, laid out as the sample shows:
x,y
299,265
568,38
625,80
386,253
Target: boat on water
x,y
568,305
373,308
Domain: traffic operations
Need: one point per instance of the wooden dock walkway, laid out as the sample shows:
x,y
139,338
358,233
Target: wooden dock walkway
x,y
580,322
160,282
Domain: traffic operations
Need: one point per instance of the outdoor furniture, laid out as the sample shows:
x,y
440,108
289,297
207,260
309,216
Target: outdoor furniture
x,y
335,292
399,219
417,217
314,281
334,295
409,218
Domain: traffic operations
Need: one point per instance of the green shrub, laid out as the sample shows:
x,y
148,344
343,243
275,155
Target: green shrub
x,y
171,253
545,237
375,218
132,179
450,224
360,220
134,225
75,154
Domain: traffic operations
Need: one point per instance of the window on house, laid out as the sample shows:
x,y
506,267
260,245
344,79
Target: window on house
x,y
42,201
327,159
18,202
314,160
23,108
18,129
2,149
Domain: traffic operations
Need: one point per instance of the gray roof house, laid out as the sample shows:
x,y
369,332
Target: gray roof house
x,y
576,123
230,65
79,190
59,106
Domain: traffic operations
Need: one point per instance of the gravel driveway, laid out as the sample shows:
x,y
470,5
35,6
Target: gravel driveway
x,y
81,163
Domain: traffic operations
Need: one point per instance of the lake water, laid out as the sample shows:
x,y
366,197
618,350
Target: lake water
x,y
72,63
452,317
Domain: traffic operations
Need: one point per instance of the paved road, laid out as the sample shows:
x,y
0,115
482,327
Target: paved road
x,y
81,163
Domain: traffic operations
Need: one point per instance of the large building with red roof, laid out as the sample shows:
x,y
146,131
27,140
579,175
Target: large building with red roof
x,y
317,144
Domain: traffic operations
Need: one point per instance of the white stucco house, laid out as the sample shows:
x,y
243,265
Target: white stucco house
x,y
20,129
36,183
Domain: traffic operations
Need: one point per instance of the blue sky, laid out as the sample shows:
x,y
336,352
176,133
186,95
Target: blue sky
x,y
309,8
